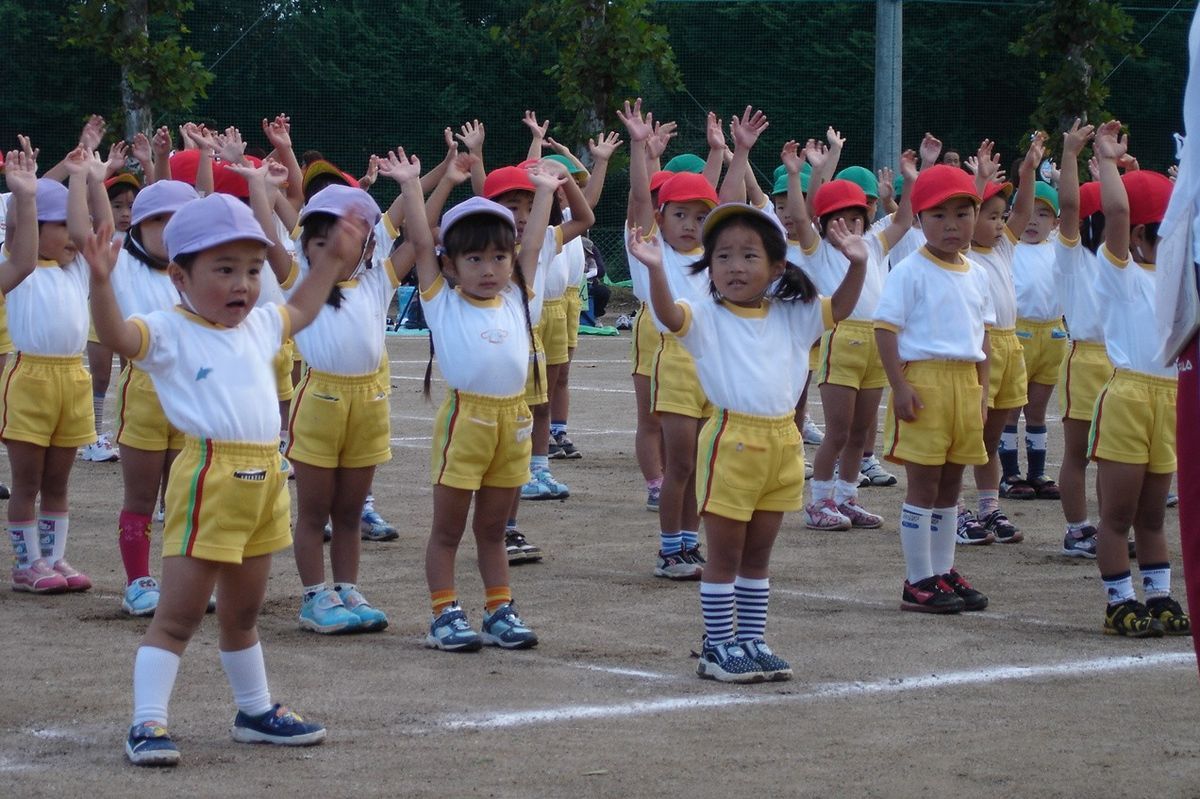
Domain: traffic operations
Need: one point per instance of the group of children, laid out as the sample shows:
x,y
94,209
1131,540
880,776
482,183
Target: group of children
x,y
232,270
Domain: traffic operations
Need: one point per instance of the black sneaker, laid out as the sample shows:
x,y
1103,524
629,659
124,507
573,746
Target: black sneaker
x,y
565,447
930,595
999,526
1131,619
972,599
555,452
970,532
519,550
693,555
1167,612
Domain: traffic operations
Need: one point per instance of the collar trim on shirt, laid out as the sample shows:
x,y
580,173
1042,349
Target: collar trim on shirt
x,y
961,266
200,320
757,312
494,302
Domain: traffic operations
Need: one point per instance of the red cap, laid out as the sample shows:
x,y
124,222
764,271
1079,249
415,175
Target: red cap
x,y
659,178
940,183
838,195
1089,199
225,181
684,187
506,179
1149,193
184,165
993,188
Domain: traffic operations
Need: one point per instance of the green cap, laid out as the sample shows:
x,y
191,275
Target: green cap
x,y
863,178
780,172
685,163
572,167
1044,192
780,186
898,186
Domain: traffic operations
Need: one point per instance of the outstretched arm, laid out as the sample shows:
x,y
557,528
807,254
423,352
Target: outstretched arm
x,y
21,244
902,220
602,150
279,133
1022,208
745,131
1074,140
113,330
1111,146
640,212
546,182
263,181
407,172
797,206
854,248
471,134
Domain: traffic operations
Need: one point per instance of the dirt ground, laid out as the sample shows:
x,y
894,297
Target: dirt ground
x,y
1025,699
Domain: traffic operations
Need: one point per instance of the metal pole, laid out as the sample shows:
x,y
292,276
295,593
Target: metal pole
x,y
889,45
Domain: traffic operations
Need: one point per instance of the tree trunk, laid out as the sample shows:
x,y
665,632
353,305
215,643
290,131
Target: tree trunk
x,y
138,118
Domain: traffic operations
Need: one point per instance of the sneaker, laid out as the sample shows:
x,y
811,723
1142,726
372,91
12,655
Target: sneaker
x,y
931,595
370,618
160,514
808,470
693,555
1172,499
810,433
566,449
76,580
141,597
38,578
728,662
825,515
624,322
519,550
279,725
374,528
972,599
970,532
451,632
874,471
100,451
677,566
325,613
542,485
774,668
149,744
504,628
860,518
653,496
999,526
1013,487
1131,619
555,451
1167,612
4,492
1081,544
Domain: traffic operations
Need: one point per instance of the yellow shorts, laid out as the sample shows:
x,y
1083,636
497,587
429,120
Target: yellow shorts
x,y
6,343
1134,421
949,429
574,306
226,501
1086,370
340,421
47,401
141,422
552,329
1045,346
537,394
814,355
481,441
283,370
749,463
850,358
1008,385
384,375
674,386
645,343
93,336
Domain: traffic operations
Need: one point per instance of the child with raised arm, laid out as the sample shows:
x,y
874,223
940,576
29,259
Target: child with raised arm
x,y
227,501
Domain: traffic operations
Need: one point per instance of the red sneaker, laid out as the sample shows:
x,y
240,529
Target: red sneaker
x,y
930,595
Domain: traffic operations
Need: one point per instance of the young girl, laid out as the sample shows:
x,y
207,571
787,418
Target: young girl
x,y
481,441
227,501
750,338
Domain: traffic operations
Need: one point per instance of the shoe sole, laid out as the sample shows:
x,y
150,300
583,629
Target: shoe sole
x,y
330,629
651,508
125,606
1075,553
837,528
781,675
1151,633
680,578
436,643
978,606
540,497
975,542
866,526
491,640
1015,538
574,456
916,607
381,537
245,735
29,589
156,758
710,671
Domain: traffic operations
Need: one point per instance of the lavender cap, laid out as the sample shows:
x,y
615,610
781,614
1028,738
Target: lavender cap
x,y
162,197
340,200
215,220
51,201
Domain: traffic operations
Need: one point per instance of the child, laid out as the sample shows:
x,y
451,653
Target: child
x,y
750,339
481,442
930,327
227,501
1133,432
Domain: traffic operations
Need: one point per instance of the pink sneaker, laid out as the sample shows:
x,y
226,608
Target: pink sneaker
x,y
38,578
824,515
859,517
76,580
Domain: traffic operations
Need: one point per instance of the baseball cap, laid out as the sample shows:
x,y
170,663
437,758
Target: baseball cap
x,y
123,177
572,167
837,195
340,201
685,162
780,186
506,179
1149,192
864,178
1089,198
51,201
215,220
1045,193
728,210
184,165
323,167
161,197
940,183
659,178
993,188
476,205
684,187
898,187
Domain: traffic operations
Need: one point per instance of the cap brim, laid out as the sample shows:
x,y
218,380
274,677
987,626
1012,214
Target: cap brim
x,y
729,210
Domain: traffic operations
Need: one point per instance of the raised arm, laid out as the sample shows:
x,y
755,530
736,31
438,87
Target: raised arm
x,y
79,222
745,132
582,216
1022,207
797,206
640,211
538,132
21,244
263,185
279,133
602,149
161,145
99,208
656,145
471,134
144,155
407,172
457,174
854,248
902,219
343,247
649,253
113,330
546,181
714,135
431,178
1111,146
1074,140
206,142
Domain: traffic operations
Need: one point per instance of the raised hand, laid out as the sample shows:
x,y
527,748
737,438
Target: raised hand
x,y
93,132
531,122
816,153
277,173
344,246
1035,153
745,130
887,185
836,140
278,131
1111,144
908,169
368,180
471,134
231,148
117,154
1075,139
78,161
29,150
663,133
985,163
646,251
792,157
931,148
141,148
20,173
201,137
399,167
161,143
254,175
101,252
547,174
557,146
713,132
603,147
847,242
638,127
459,170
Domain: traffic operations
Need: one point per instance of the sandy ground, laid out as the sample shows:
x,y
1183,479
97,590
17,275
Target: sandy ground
x,y
1024,699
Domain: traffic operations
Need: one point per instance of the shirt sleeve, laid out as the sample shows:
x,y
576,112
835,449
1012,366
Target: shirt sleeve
x,y
1113,277
157,353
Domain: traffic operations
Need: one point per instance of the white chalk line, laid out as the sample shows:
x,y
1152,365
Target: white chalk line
x,y
839,690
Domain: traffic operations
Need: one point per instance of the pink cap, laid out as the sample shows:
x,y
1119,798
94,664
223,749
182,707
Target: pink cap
x,y
340,200
475,205
51,201
215,220
163,197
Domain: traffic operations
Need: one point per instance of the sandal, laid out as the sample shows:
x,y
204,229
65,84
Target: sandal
x,y
1016,488
1044,487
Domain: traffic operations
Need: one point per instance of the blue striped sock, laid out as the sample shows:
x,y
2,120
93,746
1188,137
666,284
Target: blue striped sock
x,y
670,542
716,603
752,595
691,539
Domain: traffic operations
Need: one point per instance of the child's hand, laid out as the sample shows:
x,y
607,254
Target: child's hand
x,y
638,128
713,132
847,242
471,134
531,122
368,180
200,137
1094,166
908,168
816,153
29,150
645,250
345,245
101,252
141,148
557,146
97,167
451,144
906,403
985,163
931,148
93,132
1035,153
459,170
78,162
20,172
116,158
278,132
547,175
1128,163
400,167
231,148
161,143
663,133
1173,172
1075,139
887,186
791,157
254,175
602,149
835,139
745,130
277,173
1111,144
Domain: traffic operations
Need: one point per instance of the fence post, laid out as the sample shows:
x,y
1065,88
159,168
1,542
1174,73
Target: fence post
x,y
889,47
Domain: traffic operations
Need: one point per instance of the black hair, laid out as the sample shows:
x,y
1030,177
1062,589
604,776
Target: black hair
x,y
185,260
824,220
319,225
119,188
792,285
134,246
1151,231
321,181
1091,231
309,156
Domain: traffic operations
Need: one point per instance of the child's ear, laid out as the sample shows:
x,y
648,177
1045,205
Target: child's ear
x,y
447,265
177,275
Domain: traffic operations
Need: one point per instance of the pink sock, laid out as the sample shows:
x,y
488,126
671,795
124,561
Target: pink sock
x,y
134,541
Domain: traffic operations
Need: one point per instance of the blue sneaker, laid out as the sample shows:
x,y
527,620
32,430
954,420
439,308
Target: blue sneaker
x,y
451,632
374,528
325,613
504,628
773,667
728,662
149,744
141,597
371,618
542,485
279,725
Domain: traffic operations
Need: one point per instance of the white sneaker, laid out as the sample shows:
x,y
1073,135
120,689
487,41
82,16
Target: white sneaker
x,y
811,433
101,451
875,473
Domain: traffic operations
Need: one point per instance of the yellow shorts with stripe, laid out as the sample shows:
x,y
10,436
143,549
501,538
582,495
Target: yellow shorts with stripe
x,y
552,328
574,305
1008,385
645,343
1045,347
850,358
47,401
227,501
814,355
749,463
674,386
1134,421
141,422
537,393
1085,371
283,370
481,441
949,428
340,421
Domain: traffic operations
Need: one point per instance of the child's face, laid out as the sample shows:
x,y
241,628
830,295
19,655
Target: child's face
x,y
315,243
872,205
951,159
520,203
682,223
480,274
948,226
150,231
122,210
223,282
1041,222
989,227
853,217
740,268
785,218
54,243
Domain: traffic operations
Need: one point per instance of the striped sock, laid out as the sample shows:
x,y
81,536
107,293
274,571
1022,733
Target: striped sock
x,y
670,542
1009,456
1035,450
98,411
943,528
716,603
691,539
751,596
497,596
442,600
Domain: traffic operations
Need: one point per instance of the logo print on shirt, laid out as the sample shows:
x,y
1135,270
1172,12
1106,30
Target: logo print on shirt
x,y
494,336
203,373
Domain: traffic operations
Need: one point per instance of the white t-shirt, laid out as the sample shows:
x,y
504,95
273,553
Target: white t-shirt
x,y
48,311
216,382
1075,269
937,309
141,289
827,268
576,261
1033,281
912,241
998,264
1126,292
349,340
677,266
